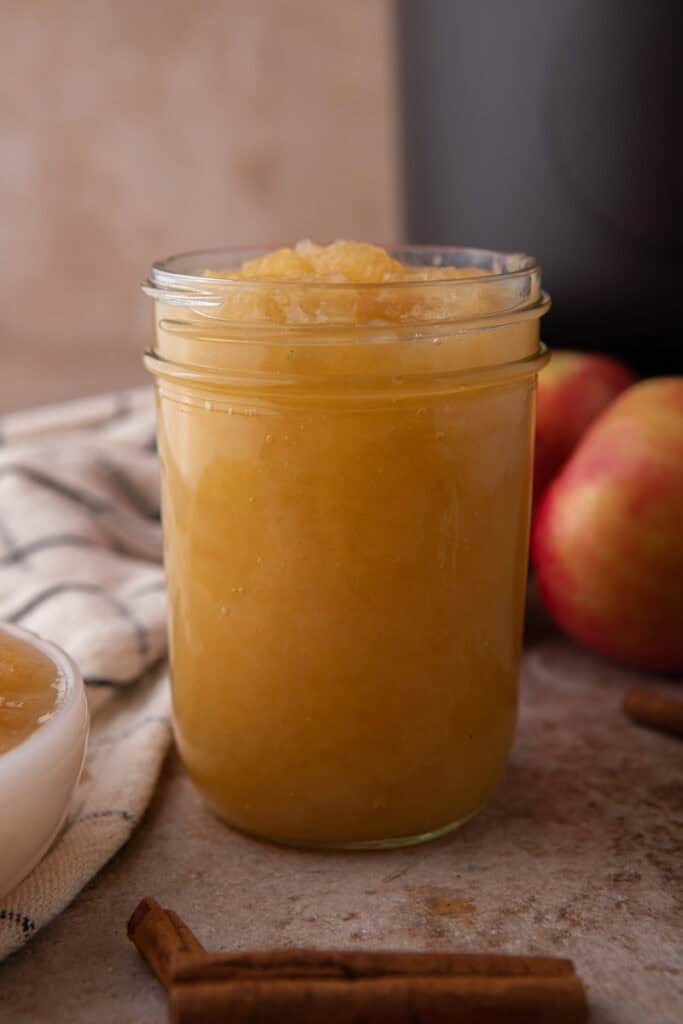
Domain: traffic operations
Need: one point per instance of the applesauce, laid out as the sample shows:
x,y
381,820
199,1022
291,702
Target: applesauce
x,y
345,439
30,687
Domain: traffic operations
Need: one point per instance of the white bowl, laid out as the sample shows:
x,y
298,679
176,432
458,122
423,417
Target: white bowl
x,y
38,777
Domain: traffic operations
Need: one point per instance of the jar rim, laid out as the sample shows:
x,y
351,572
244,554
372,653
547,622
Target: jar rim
x,y
176,279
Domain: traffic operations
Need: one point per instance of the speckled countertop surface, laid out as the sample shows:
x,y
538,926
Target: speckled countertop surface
x,y
580,854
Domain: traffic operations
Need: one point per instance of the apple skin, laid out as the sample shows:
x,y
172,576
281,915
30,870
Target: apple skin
x,y
573,389
607,538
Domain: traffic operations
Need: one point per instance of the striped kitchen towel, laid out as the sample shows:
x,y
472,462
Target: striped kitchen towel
x,y
80,564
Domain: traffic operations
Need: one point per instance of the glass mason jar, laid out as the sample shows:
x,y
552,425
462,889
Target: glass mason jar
x,y
346,507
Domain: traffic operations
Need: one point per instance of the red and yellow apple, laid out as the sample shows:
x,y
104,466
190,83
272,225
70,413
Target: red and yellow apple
x,y
607,539
574,388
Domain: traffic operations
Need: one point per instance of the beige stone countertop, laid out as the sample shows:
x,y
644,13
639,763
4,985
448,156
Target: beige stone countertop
x,y
579,854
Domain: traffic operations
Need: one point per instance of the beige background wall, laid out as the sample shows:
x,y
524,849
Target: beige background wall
x,y
134,129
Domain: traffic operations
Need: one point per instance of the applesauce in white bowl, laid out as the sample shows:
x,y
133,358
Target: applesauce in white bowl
x,y
43,736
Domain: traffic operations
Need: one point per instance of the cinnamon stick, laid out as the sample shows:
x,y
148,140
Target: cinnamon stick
x,y
394,1000
161,937
655,710
307,986
310,964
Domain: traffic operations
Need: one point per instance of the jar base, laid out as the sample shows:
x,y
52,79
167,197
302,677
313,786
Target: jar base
x,y
339,845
